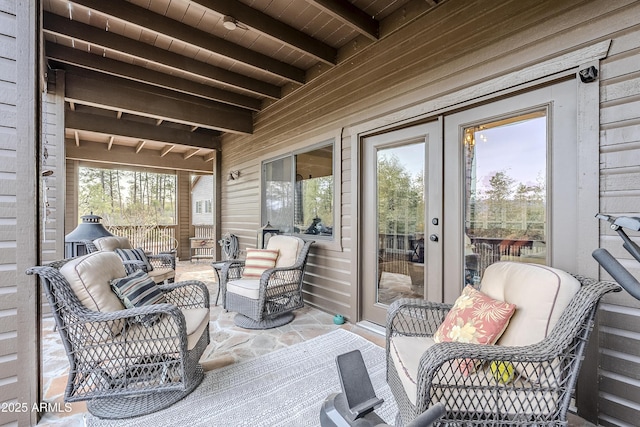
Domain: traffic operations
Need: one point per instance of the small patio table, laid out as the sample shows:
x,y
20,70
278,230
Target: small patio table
x,y
217,267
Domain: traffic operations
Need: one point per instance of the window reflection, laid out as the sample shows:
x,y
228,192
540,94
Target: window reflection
x,y
505,193
298,192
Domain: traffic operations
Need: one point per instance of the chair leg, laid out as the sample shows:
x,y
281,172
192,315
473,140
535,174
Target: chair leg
x,y
248,323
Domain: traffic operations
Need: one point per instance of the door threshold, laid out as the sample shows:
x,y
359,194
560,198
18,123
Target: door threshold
x,y
372,327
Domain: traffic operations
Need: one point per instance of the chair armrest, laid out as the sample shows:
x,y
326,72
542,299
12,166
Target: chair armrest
x,y
166,260
187,294
231,270
415,317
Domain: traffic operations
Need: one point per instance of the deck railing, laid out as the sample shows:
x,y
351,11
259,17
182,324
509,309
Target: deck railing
x,y
153,238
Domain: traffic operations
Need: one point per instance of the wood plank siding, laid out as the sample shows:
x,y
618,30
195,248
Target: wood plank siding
x,y
19,130
417,72
54,188
619,382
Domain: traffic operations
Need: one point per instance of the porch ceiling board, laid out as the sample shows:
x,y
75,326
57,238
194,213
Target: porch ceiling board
x,y
273,28
145,18
96,152
105,65
134,129
76,31
351,16
131,97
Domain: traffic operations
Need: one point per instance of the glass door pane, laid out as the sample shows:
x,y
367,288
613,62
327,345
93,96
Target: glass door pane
x,y
505,192
401,222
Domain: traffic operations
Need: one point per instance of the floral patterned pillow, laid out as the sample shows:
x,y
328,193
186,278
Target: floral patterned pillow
x,y
475,318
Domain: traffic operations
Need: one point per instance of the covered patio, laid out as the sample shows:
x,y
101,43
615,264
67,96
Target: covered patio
x,y
416,142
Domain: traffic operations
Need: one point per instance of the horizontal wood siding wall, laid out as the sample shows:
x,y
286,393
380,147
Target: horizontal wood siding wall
x,y
619,397
8,208
54,185
19,135
457,45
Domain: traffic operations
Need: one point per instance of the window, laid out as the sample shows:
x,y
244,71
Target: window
x,y
199,206
208,205
298,192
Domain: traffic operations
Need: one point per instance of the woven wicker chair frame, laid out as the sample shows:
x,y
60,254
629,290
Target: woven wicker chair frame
x,y
280,293
123,369
534,384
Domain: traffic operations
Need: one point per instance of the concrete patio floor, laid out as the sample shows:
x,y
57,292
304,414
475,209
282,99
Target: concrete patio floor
x,y
229,344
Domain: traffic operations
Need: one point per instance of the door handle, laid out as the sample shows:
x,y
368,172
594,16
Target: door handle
x,y
433,237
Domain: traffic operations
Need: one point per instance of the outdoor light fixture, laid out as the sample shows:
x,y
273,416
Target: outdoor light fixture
x,y
229,23
233,175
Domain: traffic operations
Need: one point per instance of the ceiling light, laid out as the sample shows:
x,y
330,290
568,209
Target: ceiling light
x,y
229,23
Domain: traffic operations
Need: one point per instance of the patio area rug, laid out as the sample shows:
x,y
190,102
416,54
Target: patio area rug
x,y
283,388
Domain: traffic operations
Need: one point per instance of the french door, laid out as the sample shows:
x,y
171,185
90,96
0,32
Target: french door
x,y
402,201
510,184
443,200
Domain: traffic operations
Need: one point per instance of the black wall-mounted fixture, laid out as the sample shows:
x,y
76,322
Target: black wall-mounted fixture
x,y
589,74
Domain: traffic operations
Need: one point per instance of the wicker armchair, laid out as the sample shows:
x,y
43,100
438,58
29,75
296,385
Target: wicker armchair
x,y
163,265
529,384
269,301
122,367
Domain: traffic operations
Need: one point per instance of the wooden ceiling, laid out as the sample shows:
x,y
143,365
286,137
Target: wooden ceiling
x,y
173,75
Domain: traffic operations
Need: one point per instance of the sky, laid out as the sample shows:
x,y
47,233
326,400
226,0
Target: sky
x,y
519,149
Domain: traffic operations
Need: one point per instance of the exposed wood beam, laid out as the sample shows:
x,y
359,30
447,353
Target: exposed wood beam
x,y
145,18
121,155
111,139
119,114
351,16
210,157
273,28
166,150
62,27
159,122
191,153
194,128
77,138
83,59
104,92
72,106
131,129
140,146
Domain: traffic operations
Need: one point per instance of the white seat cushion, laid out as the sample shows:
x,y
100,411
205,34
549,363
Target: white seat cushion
x,y
406,353
540,294
90,278
160,274
249,288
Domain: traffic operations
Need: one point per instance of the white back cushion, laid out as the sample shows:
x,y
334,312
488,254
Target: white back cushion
x,y
289,247
540,294
90,279
111,243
